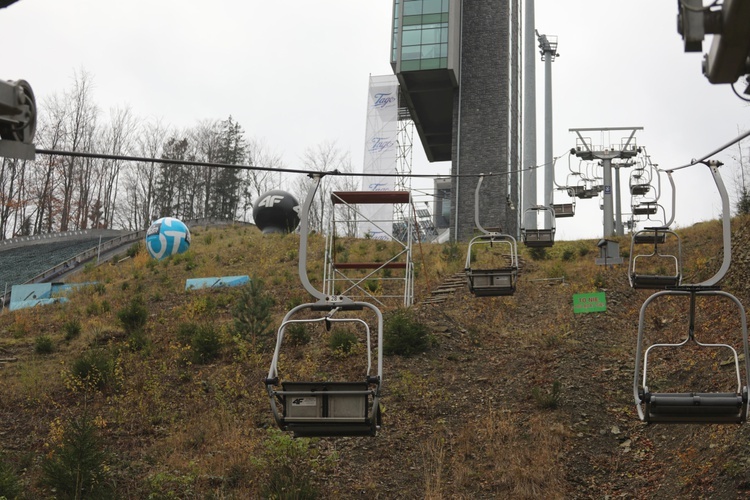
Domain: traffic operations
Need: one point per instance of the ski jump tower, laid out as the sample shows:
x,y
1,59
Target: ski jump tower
x,y
458,66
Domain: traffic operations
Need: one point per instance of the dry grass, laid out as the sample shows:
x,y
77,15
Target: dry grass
x,y
509,455
196,431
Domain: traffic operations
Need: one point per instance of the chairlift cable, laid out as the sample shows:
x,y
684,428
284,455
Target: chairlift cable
x,y
194,163
694,161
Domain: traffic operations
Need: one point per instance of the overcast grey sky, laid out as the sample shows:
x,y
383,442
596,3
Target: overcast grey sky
x,y
295,73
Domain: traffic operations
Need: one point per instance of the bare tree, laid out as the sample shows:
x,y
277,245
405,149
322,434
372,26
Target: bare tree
x,y
118,137
79,121
50,135
325,157
140,178
257,182
742,205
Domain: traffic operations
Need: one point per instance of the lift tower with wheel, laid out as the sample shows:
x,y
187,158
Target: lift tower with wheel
x,y
606,153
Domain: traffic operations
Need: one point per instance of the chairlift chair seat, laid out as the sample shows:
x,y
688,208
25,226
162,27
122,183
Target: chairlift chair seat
x,y
576,191
645,208
640,189
695,407
654,281
589,193
646,237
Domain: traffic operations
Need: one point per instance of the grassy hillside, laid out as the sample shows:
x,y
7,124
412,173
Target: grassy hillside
x,y
516,397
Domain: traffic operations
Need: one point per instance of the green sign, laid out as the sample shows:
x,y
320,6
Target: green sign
x,y
589,302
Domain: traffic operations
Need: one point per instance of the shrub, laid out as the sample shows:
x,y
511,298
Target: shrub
x,y
43,345
548,399
568,254
342,340
205,344
137,340
372,286
290,465
10,485
95,368
452,252
134,250
252,312
204,341
538,253
133,317
600,280
297,334
72,328
77,468
93,308
404,335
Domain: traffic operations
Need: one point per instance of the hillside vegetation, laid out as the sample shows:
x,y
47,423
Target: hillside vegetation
x,y
136,388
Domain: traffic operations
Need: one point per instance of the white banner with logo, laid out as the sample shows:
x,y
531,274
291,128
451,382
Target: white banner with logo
x,y
381,152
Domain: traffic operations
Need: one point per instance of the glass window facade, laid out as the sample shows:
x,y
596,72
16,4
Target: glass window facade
x,y
424,36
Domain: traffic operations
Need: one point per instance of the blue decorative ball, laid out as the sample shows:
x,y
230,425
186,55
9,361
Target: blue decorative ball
x,y
167,236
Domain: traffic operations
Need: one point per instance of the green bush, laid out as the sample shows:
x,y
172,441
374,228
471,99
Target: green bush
x,y
404,335
93,308
568,254
290,466
297,334
10,485
95,368
342,340
538,253
600,280
204,341
72,328
43,345
134,250
77,468
133,317
205,344
452,252
137,340
252,312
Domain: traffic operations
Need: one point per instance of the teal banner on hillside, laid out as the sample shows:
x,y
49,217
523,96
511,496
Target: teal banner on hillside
x,y
589,302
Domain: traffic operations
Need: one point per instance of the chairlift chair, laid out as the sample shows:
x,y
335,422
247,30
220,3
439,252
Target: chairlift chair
x,y
691,407
326,408
640,183
645,208
539,238
672,264
564,210
576,191
495,281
